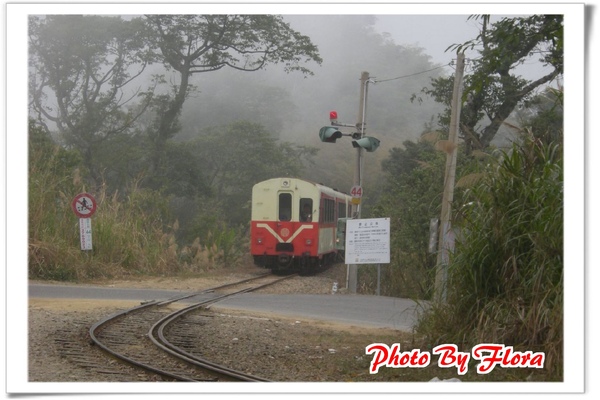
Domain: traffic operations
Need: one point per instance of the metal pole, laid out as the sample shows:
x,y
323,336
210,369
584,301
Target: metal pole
x,y
356,209
445,243
378,279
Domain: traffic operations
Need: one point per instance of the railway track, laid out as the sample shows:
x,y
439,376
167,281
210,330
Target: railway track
x,y
152,336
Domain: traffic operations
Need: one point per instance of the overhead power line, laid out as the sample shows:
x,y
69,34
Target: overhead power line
x,y
408,76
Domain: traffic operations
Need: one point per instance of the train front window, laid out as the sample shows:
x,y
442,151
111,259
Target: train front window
x,y
306,210
285,206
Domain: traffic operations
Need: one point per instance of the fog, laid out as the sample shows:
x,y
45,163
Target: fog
x,y
401,53
295,107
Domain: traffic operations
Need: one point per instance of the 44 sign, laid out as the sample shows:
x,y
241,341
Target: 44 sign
x,y
356,191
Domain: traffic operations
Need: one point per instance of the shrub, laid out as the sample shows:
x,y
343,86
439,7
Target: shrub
x,y
506,274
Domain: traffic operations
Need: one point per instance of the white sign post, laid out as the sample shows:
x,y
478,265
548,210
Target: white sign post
x,y
368,242
84,206
85,233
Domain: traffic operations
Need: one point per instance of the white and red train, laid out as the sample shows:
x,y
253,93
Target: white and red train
x,y
297,225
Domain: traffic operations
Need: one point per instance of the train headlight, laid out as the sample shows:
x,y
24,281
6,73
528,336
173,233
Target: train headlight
x,y
308,242
259,240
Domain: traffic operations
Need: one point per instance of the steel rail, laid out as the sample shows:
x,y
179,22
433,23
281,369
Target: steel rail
x,y
157,303
162,342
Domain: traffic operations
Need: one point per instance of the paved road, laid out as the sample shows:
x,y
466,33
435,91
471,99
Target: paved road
x,y
358,310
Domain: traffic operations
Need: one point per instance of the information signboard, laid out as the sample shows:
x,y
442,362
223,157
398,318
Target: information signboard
x,y
368,241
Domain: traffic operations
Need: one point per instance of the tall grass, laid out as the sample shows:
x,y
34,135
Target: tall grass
x,y
506,274
132,233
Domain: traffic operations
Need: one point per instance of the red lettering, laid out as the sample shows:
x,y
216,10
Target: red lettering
x,y
488,354
447,359
463,360
487,363
451,357
538,360
506,357
419,359
394,356
381,355
384,356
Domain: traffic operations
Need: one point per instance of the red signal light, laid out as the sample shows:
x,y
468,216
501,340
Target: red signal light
x,y
333,115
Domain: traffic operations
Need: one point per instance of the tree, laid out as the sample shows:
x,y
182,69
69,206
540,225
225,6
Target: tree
x,y
79,69
233,158
193,44
544,116
493,90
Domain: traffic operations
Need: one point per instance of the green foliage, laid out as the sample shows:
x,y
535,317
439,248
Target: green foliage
x,y
493,90
53,176
193,44
412,196
506,274
205,43
80,66
544,116
235,157
131,233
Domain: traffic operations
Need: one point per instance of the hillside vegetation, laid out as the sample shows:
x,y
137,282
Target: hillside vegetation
x,y
172,162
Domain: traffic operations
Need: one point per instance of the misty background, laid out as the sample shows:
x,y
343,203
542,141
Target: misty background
x,y
208,155
295,107
402,55
129,118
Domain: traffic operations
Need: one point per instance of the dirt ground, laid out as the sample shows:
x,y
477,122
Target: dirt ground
x,y
270,346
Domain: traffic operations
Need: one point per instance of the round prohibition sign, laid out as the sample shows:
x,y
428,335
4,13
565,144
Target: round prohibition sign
x,y
84,205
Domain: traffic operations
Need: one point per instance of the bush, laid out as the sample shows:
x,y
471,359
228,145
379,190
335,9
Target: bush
x,y
506,274
131,234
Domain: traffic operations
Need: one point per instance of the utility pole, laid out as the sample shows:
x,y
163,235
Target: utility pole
x,y
358,181
446,241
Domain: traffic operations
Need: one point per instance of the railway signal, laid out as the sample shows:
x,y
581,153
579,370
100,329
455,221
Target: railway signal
x,y
368,143
329,134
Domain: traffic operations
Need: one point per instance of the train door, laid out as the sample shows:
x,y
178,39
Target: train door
x,y
284,212
340,239
285,206
340,231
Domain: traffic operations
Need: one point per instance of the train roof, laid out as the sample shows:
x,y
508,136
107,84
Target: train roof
x,y
320,186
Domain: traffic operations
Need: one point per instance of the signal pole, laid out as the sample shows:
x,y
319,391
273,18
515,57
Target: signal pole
x,y
356,208
445,241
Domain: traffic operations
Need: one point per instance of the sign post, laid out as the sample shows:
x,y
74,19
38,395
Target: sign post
x,y
84,206
85,233
368,242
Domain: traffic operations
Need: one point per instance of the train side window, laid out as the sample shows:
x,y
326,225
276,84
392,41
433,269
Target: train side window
x,y
306,210
285,206
327,211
